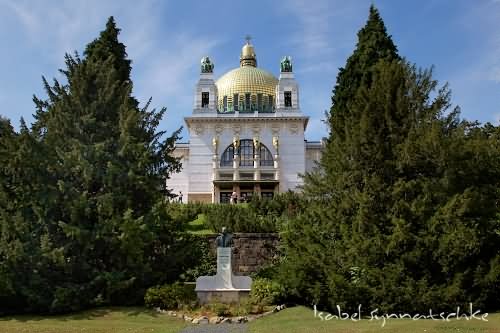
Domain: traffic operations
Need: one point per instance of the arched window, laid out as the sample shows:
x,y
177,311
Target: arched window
x,y
266,158
227,158
246,153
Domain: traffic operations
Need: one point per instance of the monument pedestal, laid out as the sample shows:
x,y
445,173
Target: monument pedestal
x,y
224,287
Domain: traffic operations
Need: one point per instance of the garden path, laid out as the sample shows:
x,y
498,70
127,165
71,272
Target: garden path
x,y
222,328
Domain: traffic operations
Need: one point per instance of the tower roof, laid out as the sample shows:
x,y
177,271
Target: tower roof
x,y
248,56
246,79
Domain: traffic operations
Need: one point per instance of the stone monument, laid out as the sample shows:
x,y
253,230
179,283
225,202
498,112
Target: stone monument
x,y
223,287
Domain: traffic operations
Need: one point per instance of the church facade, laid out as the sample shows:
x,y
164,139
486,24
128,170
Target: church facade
x,y
246,135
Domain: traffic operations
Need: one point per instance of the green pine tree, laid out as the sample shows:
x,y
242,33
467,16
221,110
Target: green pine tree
x,y
90,186
400,199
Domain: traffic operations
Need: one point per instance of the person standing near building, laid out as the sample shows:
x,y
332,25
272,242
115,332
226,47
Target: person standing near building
x,y
234,198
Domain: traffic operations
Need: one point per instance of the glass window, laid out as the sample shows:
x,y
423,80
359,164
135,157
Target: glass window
x,y
224,103
227,157
204,99
236,102
224,197
270,102
246,153
259,102
266,158
267,195
288,98
247,101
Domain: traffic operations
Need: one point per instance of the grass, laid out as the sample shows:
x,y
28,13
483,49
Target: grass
x,y
293,320
302,320
198,226
107,320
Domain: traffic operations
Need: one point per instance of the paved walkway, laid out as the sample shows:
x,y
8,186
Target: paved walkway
x,y
221,328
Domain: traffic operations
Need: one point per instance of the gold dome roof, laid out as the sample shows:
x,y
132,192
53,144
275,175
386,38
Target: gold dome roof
x,y
246,79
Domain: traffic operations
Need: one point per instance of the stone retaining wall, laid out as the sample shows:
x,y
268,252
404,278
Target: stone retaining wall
x,y
251,250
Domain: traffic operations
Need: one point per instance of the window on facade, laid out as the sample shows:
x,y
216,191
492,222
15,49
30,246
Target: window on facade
x,y
267,195
266,158
204,99
270,102
259,102
227,157
247,101
224,103
288,98
246,154
236,102
224,197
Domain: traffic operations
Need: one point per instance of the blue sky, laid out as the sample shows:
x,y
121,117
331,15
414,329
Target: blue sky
x,y
167,39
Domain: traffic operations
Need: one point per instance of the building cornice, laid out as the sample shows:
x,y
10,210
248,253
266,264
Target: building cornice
x,y
247,119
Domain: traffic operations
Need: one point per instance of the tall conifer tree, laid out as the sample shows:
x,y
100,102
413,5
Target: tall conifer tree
x,y
92,192
394,195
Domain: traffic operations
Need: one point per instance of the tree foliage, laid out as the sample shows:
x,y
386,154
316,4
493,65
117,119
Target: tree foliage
x,y
83,217
404,211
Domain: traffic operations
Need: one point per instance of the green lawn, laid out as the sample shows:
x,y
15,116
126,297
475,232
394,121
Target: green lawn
x,y
293,320
302,320
198,226
109,320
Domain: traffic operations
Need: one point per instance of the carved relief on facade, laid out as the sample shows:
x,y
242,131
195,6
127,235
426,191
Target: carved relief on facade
x,y
236,129
275,129
198,129
218,129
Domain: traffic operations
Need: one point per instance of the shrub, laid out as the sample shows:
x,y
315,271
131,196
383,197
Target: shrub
x,y
206,261
170,296
239,218
184,213
266,292
220,309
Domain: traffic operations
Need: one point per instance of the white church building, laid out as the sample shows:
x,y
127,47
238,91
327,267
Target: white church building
x,y
246,135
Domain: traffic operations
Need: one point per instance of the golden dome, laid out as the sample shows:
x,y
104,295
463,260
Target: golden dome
x,y
247,79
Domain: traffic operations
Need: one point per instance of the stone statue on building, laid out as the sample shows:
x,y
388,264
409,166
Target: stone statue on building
x,y
286,65
256,143
215,144
206,65
225,239
236,143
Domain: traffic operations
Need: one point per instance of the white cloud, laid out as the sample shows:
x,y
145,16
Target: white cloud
x,y
169,72
319,24
496,119
59,27
487,65
316,129
163,63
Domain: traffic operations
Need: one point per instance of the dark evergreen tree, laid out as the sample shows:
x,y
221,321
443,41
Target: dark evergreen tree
x,y
90,185
373,45
399,201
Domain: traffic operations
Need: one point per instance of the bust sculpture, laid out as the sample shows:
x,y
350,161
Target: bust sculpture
x,y
225,239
